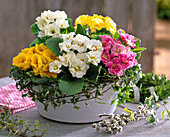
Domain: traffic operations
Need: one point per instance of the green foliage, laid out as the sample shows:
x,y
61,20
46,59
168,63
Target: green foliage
x,y
159,82
69,85
139,49
34,29
103,31
70,28
53,45
81,30
36,41
92,73
163,9
17,126
138,42
97,38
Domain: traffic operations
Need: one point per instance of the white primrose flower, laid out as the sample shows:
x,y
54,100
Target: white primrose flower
x,y
95,45
71,57
64,59
62,23
41,34
94,57
41,23
66,46
55,66
78,68
52,30
80,43
49,16
60,14
67,37
82,57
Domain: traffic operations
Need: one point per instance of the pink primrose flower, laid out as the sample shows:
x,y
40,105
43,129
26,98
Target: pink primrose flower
x,y
115,56
128,39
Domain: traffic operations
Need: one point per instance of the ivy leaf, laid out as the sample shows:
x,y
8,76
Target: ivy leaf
x,y
80,30
34,29
165,102
163,114
53,45
112,102
93,72
69,85
36,41
76,107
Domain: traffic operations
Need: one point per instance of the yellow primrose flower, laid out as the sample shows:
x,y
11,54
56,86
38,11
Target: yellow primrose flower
x,y
40,48
110,25
48,74
97,22
36,62
47,54
21,61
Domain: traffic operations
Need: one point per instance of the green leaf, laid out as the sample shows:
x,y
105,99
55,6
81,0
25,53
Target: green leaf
x,y
116,35
70,28
138,56
36,124
97,38
53,45
127,110
39,81
76,107
69,85
80,30
163,114
92,73
98,93
165,102
34,29
112,102
138,42
139,49
152,119
36,41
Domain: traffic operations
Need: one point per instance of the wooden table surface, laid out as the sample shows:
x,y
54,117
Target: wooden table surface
x,y
57,129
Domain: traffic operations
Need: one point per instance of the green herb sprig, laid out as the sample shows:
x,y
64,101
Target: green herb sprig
x,y
17,126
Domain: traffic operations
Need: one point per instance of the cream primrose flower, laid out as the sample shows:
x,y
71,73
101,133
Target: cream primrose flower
x,y
49,16
82,57
41,34
94,57
95,45
64,59
41,23
66,46
62,23
71,57
60,14
55,66
67,37
52,30
78,68
80,43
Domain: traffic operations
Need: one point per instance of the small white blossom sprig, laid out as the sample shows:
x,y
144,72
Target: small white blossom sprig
x,y
79,53
51,22
114,123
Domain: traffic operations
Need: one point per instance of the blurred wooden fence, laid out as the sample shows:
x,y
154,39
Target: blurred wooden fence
x,y
16,16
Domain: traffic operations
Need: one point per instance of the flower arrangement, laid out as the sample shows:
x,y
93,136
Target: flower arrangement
x,y
77,61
